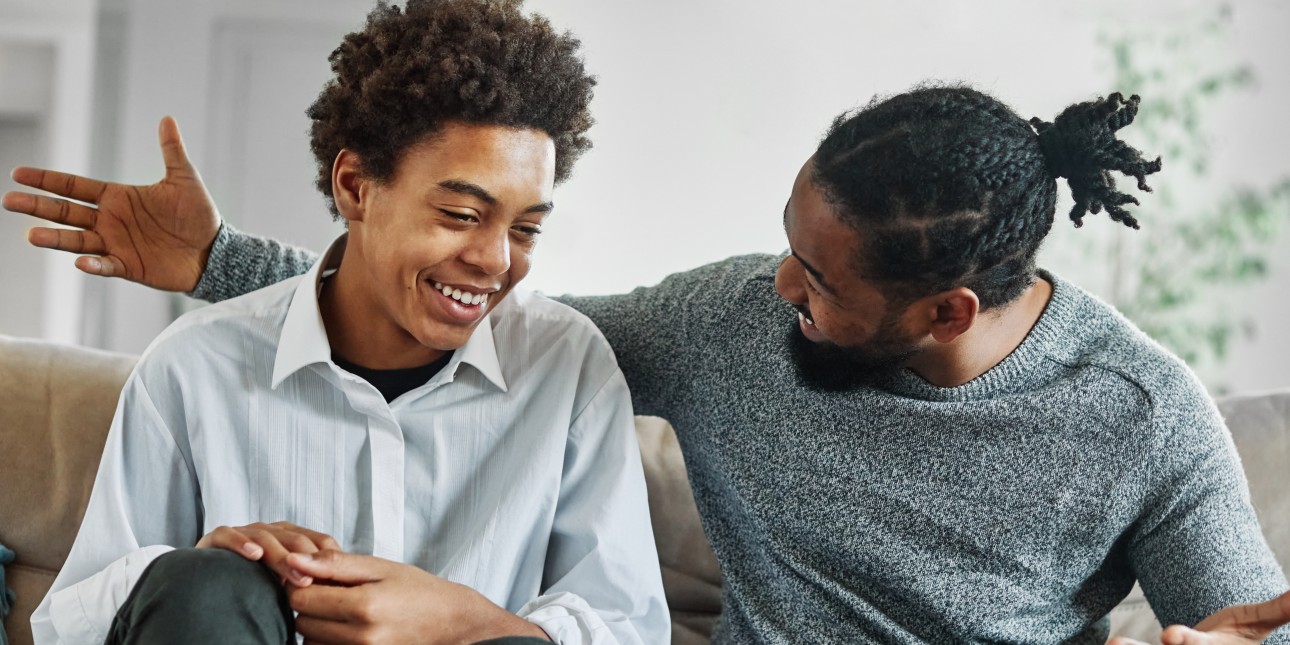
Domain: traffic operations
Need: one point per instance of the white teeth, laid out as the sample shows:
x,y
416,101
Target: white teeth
x,y
464,297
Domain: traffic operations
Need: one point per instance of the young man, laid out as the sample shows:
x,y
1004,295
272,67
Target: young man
x,y
932,441
414,450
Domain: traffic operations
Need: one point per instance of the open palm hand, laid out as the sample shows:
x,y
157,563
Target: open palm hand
x,y
157,235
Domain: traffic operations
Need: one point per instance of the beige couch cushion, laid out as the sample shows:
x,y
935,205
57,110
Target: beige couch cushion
x,y
57,407
691,578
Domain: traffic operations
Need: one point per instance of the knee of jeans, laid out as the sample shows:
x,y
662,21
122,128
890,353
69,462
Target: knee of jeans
x,y
209,573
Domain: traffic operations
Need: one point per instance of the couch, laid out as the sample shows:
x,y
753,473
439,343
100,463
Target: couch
x,y
58,403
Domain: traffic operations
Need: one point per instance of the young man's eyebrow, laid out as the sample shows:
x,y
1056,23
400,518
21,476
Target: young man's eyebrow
x,y
478,192
467,188
544,207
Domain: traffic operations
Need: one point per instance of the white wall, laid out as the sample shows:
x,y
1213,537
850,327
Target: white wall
x,y
22,310
705,111
46,53
26,69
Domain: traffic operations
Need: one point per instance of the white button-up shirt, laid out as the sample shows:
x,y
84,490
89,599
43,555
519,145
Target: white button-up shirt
x,y
514,471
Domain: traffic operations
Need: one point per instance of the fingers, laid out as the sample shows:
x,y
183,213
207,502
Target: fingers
x,y
105,266
1179,635
277,546
72,241
345,568
62,211
261,544
60,183
231,539
173,151
327,602
59,211
321,541
1268,615
1258,620
268,543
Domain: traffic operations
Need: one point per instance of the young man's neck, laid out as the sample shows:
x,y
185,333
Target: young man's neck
x,y
358,327
995,335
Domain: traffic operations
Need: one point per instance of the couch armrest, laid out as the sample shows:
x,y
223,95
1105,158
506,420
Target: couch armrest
x,y
58,405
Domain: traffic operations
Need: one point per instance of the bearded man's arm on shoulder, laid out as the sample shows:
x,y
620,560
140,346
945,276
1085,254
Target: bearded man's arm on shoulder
x,y
653,330
240,263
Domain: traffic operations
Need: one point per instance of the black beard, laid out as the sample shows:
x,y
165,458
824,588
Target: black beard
x,y
832,368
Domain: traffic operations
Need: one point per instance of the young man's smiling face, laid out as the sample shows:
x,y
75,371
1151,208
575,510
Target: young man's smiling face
x,y
438,245
850,325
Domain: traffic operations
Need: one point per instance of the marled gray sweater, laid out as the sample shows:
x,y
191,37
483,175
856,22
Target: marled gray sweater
x,y
1019,507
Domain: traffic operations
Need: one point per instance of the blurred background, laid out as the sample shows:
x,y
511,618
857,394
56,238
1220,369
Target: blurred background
x,y
705,111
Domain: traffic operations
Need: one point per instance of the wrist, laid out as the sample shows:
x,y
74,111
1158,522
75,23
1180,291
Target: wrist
x,y
202,288
204,251
485,620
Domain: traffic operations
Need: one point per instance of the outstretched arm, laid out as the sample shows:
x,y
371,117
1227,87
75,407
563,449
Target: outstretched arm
x,y
163,235
241,263
1198,550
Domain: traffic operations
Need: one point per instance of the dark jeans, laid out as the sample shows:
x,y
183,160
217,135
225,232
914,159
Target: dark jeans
x,y
213,596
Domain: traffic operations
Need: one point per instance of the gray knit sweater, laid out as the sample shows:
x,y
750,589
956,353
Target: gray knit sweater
x,y
1019,507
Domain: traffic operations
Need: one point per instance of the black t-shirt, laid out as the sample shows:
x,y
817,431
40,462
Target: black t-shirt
x,y
394,383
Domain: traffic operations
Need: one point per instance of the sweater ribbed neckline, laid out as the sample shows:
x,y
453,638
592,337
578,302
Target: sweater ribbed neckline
x,y
1050,334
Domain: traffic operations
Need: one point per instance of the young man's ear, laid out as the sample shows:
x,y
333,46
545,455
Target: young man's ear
x,y
348,188
951,313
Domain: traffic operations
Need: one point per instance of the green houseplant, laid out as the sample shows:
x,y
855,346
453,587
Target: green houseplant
x,y
1203,241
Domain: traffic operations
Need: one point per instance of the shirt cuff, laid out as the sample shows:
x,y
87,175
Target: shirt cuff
x,y
568,620
83,612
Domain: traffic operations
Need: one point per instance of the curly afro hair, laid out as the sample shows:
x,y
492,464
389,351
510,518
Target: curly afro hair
x,y
411,71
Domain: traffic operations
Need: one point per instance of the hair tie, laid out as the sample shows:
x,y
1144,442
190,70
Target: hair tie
x,y
1056,144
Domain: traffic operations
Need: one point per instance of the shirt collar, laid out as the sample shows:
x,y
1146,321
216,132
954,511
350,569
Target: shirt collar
x,y
303,340
480,352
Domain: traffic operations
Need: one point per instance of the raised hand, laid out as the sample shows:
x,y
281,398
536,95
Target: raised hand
x,y
159,235
1236,625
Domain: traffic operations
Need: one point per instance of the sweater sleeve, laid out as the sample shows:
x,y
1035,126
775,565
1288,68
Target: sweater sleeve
x,y
1198,546
241,263
653,330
